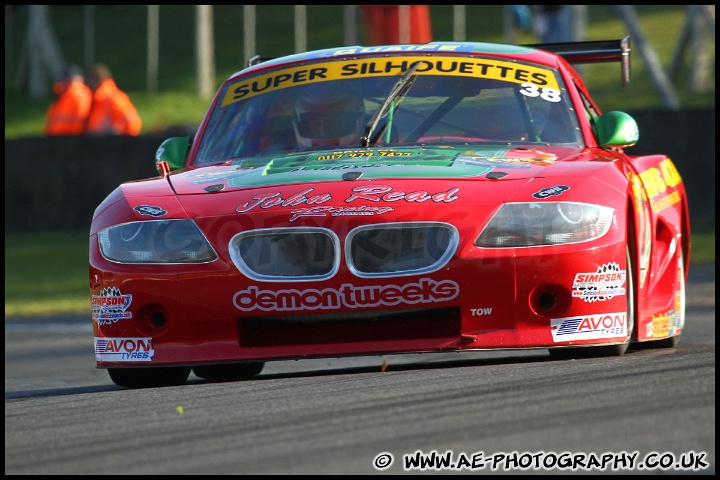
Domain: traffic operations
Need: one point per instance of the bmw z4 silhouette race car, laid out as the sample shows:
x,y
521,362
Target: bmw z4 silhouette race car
x,y
379,200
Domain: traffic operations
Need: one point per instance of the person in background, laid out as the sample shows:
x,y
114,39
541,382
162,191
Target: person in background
x,y
112,112
68,114
552,23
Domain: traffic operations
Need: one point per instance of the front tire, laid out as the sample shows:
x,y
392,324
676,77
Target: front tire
x,y
149,377
229,372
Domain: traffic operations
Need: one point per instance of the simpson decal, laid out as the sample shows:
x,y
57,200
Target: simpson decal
x,y
110,306
602,285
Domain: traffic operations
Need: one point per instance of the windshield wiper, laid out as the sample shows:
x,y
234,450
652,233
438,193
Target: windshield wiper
x,y
393,99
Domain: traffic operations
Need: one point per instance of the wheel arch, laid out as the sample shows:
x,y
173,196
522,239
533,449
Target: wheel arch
x,y
686,236
632,268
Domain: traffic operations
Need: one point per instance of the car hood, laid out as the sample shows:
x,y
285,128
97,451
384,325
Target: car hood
x,y
448,163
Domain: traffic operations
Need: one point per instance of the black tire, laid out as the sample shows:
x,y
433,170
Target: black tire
x,y
229,372
149,377
670,342
617,350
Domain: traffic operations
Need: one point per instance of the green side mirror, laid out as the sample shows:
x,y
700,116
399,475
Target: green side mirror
x,y
173,151
616,129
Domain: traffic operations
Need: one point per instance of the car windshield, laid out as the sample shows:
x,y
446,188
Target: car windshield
x,y
336,104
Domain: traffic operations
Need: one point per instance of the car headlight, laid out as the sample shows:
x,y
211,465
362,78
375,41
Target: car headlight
x,y
546,223
156,241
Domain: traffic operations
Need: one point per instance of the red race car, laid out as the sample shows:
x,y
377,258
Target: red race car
x,y
378,200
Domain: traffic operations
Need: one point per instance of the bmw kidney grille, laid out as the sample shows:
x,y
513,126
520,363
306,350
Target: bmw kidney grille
x,y
309,253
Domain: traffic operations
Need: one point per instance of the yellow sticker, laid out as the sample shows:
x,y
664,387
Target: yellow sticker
x,y
387,67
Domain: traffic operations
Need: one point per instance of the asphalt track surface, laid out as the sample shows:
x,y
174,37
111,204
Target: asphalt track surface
x,y
488,412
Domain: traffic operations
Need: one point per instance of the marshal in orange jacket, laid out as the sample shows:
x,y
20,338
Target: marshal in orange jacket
x,y
68,114
112,112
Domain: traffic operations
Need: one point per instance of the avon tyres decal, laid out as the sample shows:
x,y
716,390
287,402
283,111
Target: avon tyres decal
x,y
426,290
385,67
123,349
589,327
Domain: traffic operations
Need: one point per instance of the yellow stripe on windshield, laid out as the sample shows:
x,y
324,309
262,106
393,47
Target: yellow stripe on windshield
x,y
385,67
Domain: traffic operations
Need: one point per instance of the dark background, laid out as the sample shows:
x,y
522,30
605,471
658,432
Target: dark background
x,y
56,183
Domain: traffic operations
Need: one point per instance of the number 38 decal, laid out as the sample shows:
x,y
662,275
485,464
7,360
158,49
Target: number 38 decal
x,y
532,90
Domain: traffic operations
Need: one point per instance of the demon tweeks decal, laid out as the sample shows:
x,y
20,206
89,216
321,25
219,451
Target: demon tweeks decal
x,y
426,290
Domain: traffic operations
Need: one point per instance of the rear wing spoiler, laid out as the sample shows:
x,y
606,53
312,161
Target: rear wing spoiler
x,y
594,51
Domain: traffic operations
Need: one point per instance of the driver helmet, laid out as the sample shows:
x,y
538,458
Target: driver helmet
x,y
329,120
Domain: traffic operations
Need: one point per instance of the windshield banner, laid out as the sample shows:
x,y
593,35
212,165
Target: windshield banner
x,y
384,67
